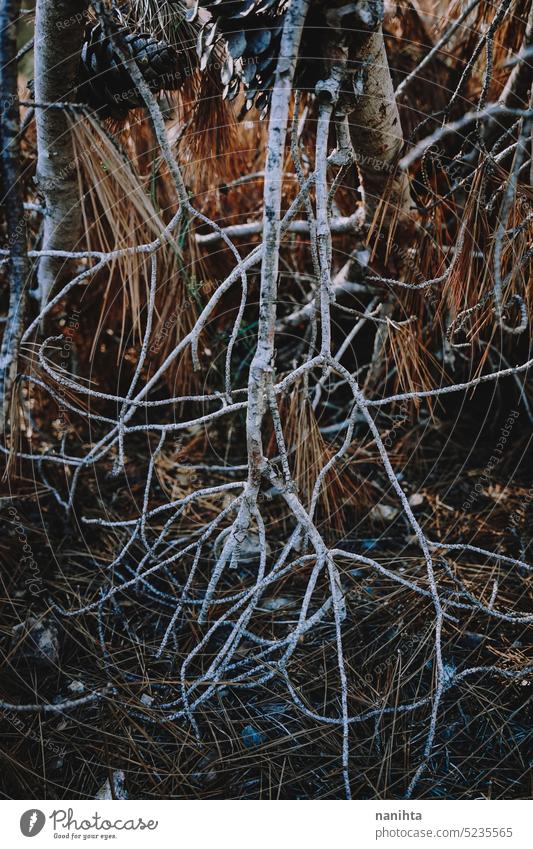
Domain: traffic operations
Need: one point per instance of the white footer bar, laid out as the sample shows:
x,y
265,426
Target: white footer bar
x,y
267,825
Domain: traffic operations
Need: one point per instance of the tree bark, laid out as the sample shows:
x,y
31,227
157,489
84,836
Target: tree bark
x,y
13,202
261,366
376,133
59,29
375,130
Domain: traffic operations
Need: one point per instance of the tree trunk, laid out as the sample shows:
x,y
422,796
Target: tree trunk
x,y
13,202
374,120
59,29
376,134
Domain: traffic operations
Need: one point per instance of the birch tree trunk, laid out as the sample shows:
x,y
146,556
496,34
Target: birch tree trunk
x,y
12,201
376,133
374,120
59,29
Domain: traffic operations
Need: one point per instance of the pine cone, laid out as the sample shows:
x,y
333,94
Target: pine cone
x,y
251,31
105,84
